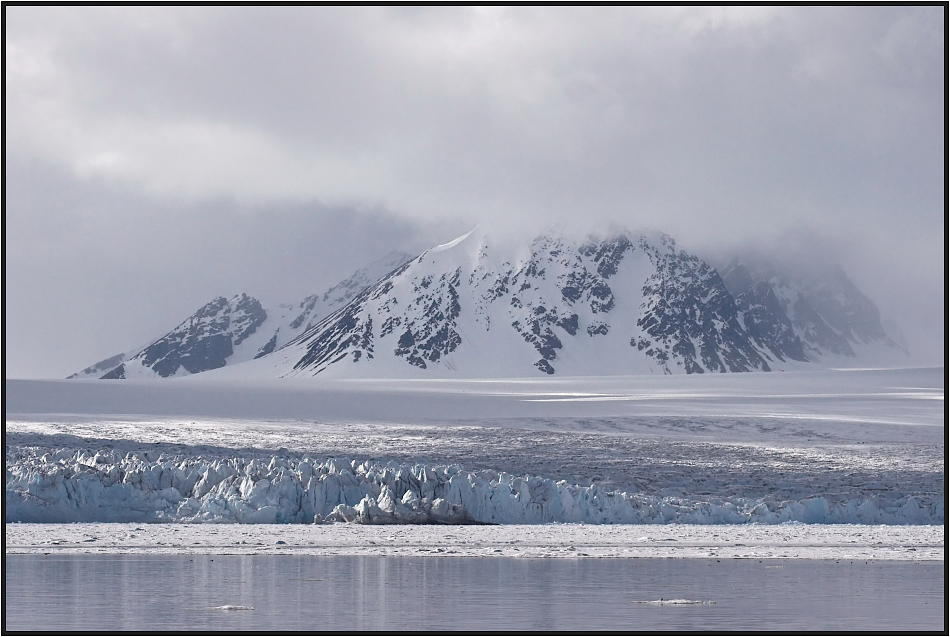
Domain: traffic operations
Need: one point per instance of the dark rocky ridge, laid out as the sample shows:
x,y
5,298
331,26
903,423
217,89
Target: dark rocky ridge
x,y
203,341
213,343
803,315
102,366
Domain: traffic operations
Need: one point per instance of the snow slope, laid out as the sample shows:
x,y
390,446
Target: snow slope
x,y
624,303
479,307
231,331
630,303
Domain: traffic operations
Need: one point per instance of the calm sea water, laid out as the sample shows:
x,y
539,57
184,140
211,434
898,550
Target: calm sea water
x,y
150,592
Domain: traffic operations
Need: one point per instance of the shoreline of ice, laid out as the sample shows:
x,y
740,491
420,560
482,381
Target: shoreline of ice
x,y
786,541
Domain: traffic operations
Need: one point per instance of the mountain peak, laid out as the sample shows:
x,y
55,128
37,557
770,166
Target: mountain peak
x,y
623,302
226,331
559,305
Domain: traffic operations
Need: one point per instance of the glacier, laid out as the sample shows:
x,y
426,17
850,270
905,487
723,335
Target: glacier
x,y
855,446
76,485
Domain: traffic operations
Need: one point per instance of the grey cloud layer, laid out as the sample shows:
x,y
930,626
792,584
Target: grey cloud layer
x,y
711,124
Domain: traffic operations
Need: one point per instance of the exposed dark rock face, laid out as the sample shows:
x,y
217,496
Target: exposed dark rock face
x,y
116,374
268,347
768,324
598,328
347,331
687,320
607,254
627,301
806,314
101,366
690,318
341,332
432,333
204,341
214,335
581,283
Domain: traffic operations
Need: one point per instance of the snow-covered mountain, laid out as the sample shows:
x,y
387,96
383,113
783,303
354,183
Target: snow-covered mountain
x,y
624,303
230,331
620,304
96,370
814,313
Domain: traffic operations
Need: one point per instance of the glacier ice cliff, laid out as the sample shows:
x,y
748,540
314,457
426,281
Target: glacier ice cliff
x,y
76,485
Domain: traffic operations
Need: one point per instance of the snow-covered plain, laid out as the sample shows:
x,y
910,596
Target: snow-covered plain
x,y
832,447
786,541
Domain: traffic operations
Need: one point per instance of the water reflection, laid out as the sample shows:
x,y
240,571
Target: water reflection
x,y
140,592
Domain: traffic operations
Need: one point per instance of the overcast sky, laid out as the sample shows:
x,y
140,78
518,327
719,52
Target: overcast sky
x,y
158,157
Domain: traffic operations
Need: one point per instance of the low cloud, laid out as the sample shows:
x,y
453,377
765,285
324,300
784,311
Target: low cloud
x,y
149,144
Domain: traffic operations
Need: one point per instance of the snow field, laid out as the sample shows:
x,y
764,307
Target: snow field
x,y
749,541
